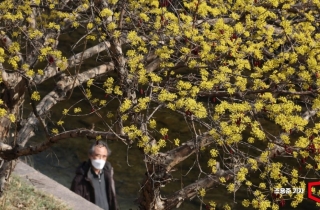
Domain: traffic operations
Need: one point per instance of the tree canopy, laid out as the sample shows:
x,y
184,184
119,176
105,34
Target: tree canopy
x,y
244,74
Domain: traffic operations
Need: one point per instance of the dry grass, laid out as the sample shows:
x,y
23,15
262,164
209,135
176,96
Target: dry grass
x,y
20,195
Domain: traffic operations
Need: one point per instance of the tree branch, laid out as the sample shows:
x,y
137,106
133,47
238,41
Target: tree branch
x,y
8,153
58,94
51,71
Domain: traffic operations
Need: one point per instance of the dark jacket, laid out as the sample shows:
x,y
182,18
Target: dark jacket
x,y
82,185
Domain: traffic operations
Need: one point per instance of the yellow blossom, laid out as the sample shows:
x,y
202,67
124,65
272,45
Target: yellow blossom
x,y
3,112
164,131
246,203
12,117
230,187
55,131
202,192
176,142
222,179
60,122
35,96
110,115
77,110
65,111
214,152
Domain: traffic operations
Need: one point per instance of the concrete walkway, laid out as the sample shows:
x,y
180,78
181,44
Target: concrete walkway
x,y
49,186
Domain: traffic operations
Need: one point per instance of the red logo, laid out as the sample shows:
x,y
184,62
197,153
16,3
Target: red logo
x,y
310,196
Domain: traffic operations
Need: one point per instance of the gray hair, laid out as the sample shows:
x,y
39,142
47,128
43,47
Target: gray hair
x,y
101,144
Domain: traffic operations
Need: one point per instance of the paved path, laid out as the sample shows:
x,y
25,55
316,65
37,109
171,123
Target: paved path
x,y
49,186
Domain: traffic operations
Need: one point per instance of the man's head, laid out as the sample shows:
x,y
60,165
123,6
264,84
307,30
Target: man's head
x,y
98,153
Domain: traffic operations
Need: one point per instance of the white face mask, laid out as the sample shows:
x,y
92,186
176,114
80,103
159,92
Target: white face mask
x,y
98,163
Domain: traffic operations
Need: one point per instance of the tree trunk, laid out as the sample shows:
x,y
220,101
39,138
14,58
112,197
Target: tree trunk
x,y
147,193
150,198
12,95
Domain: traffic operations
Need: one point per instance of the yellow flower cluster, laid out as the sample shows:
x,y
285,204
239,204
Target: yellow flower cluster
x,y
89,82
152,124
264,157
202,192
212,162
110,115
12,118
2,54
214,153
106,12
3,112
164,52
88,93
60,122
13,17
35,34
193,106
154,77
117,90
166,96
35,96
257,132
253,163
176,142
246,203
288,122
142,105
143,141
134,38
77,110
53,25
13,61
65,111
102,102
75,24
111,26
126,104
231,187
135,63
241,175
89,25
30,73
132,132
54,131
182,85
108,85
163,131
91,37
275,170
161,143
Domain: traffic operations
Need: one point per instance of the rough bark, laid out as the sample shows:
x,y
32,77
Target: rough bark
x,y
12,94
58,94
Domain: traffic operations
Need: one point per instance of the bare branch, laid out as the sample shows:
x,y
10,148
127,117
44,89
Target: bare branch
x,y
58,94
8,153
72,61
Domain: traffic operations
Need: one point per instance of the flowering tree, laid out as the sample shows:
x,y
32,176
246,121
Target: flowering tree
x,y
227,67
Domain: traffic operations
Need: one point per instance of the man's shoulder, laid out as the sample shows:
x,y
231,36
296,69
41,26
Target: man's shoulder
x,y
83,168
108,166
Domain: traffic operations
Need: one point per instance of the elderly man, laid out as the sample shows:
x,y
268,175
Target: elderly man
x,y
94,178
